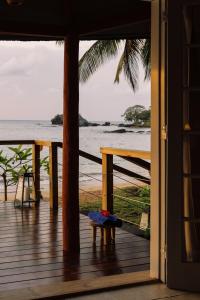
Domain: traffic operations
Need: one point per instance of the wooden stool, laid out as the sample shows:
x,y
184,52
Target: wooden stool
x,y
107,232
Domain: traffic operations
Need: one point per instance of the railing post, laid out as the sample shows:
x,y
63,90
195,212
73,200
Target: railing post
x,y
36,170
107,182
53,176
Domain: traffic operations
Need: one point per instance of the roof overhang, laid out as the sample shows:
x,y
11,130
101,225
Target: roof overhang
x,y
54,19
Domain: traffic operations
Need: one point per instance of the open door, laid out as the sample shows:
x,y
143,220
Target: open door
x,y
182,44
158,142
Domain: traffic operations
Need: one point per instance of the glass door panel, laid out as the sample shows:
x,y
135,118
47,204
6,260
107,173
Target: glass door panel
x,y
191,220
183,94
191,134
191,110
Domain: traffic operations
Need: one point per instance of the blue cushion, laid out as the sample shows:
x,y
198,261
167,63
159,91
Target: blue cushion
x,y
98,218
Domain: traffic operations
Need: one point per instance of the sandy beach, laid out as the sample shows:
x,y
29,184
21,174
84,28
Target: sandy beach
x,y
86,192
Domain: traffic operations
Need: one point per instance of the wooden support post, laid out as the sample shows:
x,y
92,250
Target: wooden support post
x,y
107,182
36,171
53,175
70,189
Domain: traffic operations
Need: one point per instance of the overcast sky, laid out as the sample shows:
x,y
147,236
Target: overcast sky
x,y
31,85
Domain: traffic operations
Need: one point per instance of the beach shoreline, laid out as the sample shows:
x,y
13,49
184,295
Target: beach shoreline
x,y
92,189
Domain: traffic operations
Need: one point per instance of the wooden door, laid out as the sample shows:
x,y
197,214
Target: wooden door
x,y
182,42
158,141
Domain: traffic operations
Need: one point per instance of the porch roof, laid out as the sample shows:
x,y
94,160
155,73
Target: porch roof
x,y
53,19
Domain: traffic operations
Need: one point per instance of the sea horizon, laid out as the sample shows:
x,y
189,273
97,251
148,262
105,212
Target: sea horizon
x,y
48,120
91,140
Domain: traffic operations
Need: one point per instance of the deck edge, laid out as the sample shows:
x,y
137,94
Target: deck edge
x,y
79,287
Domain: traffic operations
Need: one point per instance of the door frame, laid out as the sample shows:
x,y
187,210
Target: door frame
x,y
158,142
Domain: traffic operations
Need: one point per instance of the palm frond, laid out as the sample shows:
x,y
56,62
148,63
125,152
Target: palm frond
x,y
60,42
119,68
146,58
129,63
101,51
98,54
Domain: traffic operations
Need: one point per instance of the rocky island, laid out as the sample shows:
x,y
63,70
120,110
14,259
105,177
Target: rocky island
x,y
58,120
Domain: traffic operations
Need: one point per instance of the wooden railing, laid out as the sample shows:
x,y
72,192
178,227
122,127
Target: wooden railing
x,y
140,158
137,157
37,146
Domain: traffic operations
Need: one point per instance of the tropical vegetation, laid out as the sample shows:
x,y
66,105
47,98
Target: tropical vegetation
x,y
15,163
138,115
129,202
132,52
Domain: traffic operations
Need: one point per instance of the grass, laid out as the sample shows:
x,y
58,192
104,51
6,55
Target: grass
x,y
129,202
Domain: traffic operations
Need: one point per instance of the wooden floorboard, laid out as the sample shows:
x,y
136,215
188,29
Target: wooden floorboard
x,y
124,248
31,250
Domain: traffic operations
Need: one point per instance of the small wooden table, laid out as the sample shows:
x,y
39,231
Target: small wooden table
x,y
107,232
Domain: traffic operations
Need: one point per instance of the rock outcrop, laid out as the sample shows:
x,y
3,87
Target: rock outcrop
x,y
83,122
106,124
58,120
118,131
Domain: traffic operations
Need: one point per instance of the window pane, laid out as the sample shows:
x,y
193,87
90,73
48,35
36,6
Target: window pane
x,y
191,216
191,24
191,157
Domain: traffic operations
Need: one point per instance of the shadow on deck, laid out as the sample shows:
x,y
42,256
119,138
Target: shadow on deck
x,y
31,250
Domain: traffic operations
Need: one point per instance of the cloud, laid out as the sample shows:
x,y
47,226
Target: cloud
x,y
32,84
12,68
18,66
23,61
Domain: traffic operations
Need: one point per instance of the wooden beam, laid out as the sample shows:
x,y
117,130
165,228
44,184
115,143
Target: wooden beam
x,y
155,247
139,30
29,142
140,13
115,167
47,143
127,152
75,288
16,142
77,17
53,175
43,143
36,171
139,162
22,29
90,157
70,189
107,182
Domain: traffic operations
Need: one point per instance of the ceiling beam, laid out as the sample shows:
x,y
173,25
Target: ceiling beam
x,y
29,29
89,25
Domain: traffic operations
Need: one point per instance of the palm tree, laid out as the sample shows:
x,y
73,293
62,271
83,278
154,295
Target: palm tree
x,y
101,51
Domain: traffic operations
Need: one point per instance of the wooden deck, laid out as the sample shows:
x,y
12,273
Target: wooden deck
x,y
31,250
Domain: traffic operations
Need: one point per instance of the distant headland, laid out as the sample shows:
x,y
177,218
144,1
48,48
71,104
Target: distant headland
x,y
136,116
58,120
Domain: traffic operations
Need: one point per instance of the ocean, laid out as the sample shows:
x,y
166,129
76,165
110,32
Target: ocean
x,y
91,139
